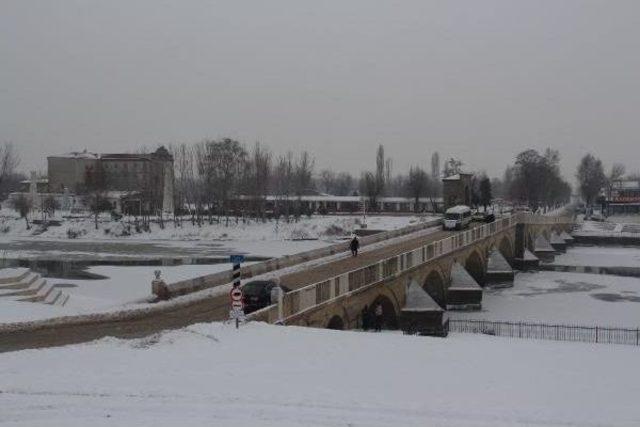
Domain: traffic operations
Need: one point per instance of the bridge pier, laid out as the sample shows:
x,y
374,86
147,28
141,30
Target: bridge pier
x,y
499,272
464,293
528,261
422,315
543,249
558,243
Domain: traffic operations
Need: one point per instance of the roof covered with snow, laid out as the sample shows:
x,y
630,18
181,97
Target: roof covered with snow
x,y
458,209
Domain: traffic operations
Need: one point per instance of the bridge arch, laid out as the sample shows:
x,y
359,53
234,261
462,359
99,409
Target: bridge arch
x,y
389,314
506,248
434,285
474,264
546,233
336,323
531,239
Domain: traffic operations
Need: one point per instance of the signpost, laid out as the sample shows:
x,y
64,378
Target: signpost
x,y
237,304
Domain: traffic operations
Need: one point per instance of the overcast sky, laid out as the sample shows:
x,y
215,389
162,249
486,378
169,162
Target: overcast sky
x,y
479,80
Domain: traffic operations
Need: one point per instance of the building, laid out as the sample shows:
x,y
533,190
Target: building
x,y
623,197
329,204
456,190
135,183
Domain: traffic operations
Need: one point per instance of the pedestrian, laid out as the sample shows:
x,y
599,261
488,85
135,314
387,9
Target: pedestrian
x,y
354,245
378,317
365,318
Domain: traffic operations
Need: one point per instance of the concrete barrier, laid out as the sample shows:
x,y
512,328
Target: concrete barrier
x,y
183,287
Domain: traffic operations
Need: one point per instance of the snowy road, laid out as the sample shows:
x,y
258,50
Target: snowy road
x,y
211,374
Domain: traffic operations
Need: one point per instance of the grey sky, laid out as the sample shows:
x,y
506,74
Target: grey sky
x,y
481,80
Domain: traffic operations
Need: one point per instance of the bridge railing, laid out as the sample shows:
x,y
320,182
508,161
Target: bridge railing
x,y
310,296
187,286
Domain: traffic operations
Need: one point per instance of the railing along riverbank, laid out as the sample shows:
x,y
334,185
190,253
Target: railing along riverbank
x,y
544,331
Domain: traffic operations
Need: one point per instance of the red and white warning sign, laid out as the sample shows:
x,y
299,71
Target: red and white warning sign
x,y
236,298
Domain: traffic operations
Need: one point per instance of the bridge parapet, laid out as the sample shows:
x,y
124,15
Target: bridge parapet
x,y
299,301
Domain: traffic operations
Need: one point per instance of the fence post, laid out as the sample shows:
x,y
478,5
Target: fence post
x,y
637,336
596,334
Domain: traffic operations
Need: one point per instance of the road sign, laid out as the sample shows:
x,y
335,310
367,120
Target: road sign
x,y
236,259
236,294
237,314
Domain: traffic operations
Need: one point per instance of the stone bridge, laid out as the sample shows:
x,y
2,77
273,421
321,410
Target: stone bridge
x,y
445,274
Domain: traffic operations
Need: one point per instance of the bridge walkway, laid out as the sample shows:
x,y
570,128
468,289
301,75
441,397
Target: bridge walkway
x,y
330,269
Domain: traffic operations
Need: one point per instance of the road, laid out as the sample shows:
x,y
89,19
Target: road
x,y
139,324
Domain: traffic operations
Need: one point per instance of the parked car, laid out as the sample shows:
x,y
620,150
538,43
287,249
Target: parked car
x,y
597,217
488,217
257,294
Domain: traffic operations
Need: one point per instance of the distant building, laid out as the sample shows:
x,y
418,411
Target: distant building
x,y
456,190
623,197
340,204
135,182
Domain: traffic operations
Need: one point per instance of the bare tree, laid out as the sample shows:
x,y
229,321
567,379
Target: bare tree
x,y
435,175
95,191
283,183
369,188
615,174
220,165
452,166
303,177
50,205
417,185
344,184
9,160
380,171
183,178
257,175
435,166
590,177
22,205
485,191
327,181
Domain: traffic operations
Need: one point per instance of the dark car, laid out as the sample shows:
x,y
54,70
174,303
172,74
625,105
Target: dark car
x,y
489,217
257,294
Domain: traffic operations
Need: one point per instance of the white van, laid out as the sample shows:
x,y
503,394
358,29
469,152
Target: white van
x,y
457,218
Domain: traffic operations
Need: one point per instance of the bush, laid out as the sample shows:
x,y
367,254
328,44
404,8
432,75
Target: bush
x,y
73,233
335,230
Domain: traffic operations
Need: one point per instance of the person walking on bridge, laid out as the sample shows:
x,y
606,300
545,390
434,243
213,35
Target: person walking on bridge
x,y
354,245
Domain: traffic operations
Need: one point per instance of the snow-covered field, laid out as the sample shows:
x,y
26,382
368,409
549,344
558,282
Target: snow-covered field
x,y
564,298
612,227
315,227
624,219
600,256
122,286
268,239
213,375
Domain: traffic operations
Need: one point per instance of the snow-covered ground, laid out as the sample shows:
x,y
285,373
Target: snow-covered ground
x,y
624,219
599,256
122,287
268,239
563,298
262,375
315,227
612,227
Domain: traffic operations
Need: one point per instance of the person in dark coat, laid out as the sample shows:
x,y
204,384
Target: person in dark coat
x,y
366,318
378,317
355,244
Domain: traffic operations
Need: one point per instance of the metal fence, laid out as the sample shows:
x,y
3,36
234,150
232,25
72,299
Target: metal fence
x,y
541,331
